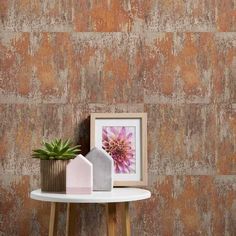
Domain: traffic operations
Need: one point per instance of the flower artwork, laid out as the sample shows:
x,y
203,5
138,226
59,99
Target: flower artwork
x,y
119,142
123,136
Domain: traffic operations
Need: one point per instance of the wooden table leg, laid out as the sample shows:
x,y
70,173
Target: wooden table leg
x,y
111,219
52,223
71,219
125,218
68,219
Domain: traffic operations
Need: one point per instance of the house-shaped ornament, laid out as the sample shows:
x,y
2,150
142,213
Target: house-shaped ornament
x,y
79,176
102,169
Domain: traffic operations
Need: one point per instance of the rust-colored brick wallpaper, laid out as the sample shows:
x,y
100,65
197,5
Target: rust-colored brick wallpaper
x,y
174,59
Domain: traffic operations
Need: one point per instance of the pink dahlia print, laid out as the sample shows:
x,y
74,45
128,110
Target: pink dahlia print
x,y
119,143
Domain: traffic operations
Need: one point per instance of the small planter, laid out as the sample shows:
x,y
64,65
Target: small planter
x,y
53,175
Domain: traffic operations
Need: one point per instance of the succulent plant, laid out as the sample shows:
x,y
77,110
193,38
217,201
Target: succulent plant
x,y
57,150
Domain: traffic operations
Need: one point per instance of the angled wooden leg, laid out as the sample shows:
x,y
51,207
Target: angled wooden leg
x,y
52,223
111,219
125,219
68,219
71,219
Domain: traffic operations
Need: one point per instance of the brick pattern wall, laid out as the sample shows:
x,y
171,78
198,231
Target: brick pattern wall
x,y
176,60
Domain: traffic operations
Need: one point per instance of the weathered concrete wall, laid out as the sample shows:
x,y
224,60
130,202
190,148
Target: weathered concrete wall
x,y
174,59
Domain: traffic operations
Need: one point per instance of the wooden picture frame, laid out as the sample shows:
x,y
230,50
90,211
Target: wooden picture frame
x,y
132,126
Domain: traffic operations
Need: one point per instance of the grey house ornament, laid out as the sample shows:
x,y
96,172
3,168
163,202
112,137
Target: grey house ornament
x,y
102,169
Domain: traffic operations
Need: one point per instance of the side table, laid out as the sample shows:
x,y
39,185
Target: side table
x,y
118,197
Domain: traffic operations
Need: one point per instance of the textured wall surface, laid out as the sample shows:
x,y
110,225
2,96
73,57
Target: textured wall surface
x,y
174,59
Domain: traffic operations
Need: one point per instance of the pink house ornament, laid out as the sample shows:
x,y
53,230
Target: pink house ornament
x,y
79,176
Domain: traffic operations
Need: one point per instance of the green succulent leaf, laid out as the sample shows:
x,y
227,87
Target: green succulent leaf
x,y
49,146
67,143
41,151
57,149
35,156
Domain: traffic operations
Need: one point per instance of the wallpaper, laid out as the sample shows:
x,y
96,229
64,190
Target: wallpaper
x,y
173,59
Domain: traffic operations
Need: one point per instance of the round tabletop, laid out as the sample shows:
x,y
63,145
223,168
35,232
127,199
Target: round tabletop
x,y
116,195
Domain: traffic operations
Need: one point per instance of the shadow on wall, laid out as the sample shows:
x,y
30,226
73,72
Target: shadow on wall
x,y
82,212
82,135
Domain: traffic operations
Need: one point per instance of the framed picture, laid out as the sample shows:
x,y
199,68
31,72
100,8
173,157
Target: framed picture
x,y
124,137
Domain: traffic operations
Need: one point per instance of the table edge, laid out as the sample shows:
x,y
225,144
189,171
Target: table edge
x,y
50,199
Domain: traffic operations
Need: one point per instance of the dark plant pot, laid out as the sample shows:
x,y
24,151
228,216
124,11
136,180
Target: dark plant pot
x,y
53,175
